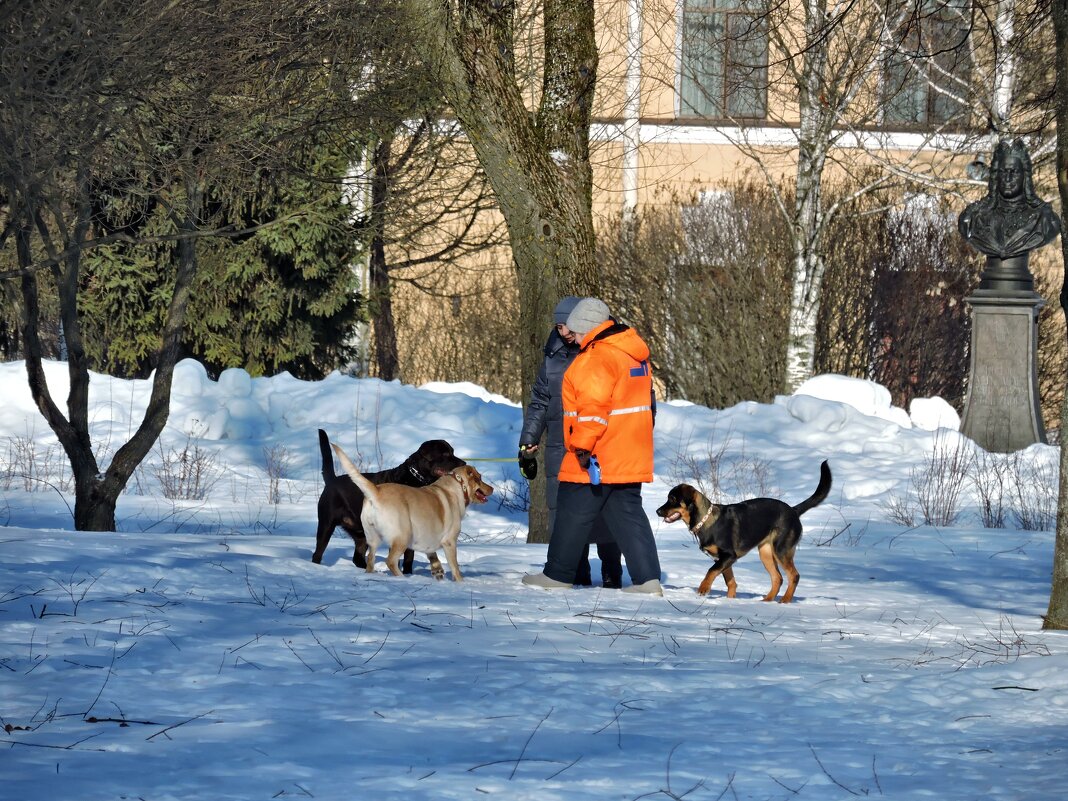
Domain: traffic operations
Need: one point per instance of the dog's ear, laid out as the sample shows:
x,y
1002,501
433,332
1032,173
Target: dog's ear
x,y
688,500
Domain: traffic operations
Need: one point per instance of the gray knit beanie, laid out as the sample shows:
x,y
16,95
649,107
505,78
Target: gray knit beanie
x,y
587,315
563,309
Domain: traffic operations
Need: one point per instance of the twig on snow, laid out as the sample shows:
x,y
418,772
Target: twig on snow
x,y
527,743
827,772
176,725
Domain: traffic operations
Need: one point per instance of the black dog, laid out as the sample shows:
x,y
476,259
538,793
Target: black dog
x,y
727,532
341,501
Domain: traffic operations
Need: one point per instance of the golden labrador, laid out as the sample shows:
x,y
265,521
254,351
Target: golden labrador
x,y
421,518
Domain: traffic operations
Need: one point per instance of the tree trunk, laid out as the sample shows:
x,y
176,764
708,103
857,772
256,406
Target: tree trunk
x,y
94,506
804,312
387,360
134,451
538,512
538,164
1057,613
816,122
1004,69
72,433
96,494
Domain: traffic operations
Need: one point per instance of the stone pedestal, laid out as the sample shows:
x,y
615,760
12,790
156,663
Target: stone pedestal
x,y
1002,412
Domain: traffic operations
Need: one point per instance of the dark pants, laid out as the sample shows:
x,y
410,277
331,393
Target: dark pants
x,y
611,566
620,508
607,550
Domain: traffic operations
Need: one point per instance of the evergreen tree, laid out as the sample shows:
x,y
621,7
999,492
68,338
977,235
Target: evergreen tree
x,y
278,295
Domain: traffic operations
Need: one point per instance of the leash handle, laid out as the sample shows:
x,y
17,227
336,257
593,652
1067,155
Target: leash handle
x,y
594,470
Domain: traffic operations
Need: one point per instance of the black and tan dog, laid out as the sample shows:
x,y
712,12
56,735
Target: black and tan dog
x,y
342,501
726,532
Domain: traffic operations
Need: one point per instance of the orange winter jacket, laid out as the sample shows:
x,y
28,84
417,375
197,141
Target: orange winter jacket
x,y
607,395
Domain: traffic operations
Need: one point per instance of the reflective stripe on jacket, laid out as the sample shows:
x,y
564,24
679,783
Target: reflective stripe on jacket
x,y
607,396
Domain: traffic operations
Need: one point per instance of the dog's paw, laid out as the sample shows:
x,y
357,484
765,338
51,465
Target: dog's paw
x,y
438,572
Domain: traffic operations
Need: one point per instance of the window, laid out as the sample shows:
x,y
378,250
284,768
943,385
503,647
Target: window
x,y
928,65
724,59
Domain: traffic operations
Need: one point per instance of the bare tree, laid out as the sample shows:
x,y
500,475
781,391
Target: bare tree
x,y
63,91
177,94
431,209
537,163
808,69
831,87
1057,613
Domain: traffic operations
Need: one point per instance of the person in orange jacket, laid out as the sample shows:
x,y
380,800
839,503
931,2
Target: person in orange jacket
x,y
609,406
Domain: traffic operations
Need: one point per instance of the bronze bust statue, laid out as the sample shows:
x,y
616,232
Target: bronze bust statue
x,y
1011,220
1002,412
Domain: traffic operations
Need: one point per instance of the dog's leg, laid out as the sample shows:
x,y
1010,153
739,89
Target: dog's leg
x,y
395,551
450,554
732,585
792,576
767,556
724,566
372,546
322,539
354,528
706,582
721,565
409,562
436,570
359,551
326,522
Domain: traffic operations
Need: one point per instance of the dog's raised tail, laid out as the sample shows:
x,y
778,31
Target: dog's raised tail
x,y
817,496
367,487
328,458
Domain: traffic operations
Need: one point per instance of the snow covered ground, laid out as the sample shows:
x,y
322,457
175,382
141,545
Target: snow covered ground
x,y
199,654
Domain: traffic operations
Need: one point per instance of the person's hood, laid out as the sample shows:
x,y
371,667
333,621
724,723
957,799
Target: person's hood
x,y
618,336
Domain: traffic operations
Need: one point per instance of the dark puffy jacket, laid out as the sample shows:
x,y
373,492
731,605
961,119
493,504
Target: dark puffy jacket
x,y
545,414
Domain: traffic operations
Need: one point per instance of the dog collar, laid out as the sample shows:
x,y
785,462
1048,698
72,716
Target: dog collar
x,y
463,486
418,476
701,522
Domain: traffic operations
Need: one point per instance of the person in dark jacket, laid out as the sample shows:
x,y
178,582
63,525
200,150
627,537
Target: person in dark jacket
x,y
544,415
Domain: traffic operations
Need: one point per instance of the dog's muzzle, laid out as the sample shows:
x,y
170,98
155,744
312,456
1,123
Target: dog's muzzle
x,y
668,513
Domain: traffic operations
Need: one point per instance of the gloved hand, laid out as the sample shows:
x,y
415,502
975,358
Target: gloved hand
x,y
528,464
583,458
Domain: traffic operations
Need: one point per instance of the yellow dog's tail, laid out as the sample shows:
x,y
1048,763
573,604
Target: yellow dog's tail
x,y
369,490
